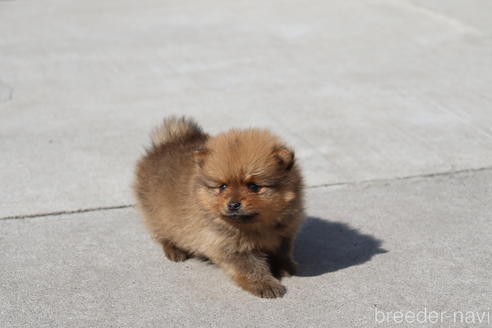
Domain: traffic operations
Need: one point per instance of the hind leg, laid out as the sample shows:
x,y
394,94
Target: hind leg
x,y
281,262
173,252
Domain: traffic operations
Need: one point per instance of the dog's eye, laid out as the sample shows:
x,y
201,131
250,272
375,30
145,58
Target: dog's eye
x,y
253,187
222,187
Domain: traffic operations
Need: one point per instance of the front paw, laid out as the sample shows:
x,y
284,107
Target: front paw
x,y
174,253
268,289
283,267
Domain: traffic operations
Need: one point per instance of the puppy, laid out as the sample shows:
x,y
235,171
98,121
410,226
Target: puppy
x,y
235,199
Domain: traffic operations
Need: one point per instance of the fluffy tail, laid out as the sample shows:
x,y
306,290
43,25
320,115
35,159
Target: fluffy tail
x,y
176,129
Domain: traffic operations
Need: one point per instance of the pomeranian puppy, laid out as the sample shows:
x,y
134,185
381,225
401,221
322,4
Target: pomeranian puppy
x,y
235,199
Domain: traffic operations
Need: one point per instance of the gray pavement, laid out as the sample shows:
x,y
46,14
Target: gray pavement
x,y
387,103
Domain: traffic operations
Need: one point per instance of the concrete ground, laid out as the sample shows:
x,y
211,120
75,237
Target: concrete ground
x,y
388,104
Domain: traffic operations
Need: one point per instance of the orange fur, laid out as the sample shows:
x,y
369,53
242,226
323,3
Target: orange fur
x,y
187,182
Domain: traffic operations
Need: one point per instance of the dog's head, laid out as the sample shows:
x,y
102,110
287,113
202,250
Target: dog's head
x,y
246,177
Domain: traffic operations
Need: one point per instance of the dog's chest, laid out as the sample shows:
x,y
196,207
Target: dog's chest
x,y
261,242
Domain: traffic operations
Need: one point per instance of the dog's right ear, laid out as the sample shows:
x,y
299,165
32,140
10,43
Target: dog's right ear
x,y
199,156
284,156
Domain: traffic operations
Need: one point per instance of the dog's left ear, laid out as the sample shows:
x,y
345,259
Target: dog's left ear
x,y
285,157
199,156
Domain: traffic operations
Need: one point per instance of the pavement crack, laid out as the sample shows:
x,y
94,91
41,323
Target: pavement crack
x,y
58,213
454,23
324,185
409,177
6,92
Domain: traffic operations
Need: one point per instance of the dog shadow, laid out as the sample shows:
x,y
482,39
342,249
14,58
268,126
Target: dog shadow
x,y
324,246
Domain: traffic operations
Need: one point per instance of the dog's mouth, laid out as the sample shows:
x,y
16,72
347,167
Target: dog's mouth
x,y
240,218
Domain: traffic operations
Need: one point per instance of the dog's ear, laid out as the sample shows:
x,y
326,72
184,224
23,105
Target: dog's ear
x,y
284,156
199,156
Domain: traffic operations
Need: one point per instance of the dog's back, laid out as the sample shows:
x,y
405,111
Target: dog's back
x,y
166,168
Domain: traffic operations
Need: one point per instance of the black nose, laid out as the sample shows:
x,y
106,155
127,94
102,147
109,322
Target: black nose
x,y
233,206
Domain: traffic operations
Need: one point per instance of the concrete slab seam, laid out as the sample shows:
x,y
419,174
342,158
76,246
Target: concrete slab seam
x,y
327,185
